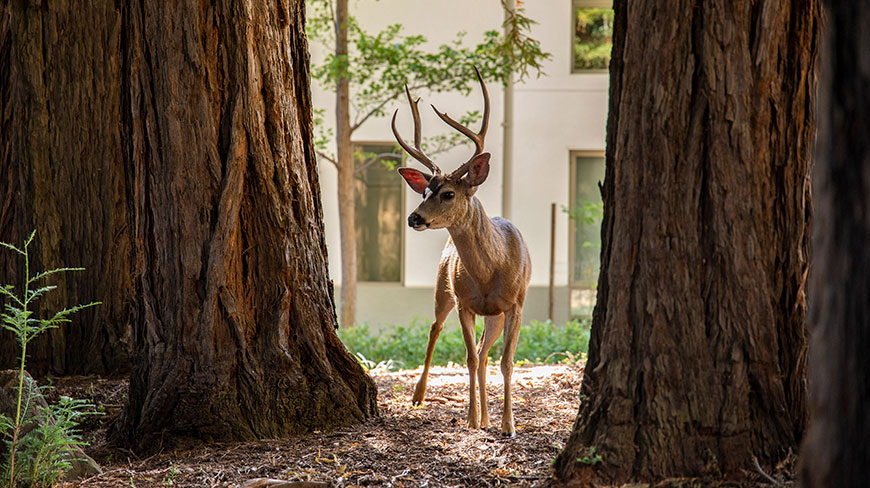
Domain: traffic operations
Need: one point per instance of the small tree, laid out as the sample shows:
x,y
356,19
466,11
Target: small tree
x,y
48,448
378,67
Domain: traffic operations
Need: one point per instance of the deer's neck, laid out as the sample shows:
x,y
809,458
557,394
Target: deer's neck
x,y
477,242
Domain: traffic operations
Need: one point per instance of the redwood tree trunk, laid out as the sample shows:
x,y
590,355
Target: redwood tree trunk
x,y
697,356
166,146
235,326
61,174
835,452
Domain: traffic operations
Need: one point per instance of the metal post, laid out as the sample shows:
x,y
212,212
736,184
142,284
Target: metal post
x,y
552,260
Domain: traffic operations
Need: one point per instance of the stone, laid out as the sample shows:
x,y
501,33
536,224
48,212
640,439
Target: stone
x,y
82,466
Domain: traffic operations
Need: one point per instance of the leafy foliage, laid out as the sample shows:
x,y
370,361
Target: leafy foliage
x,y
586,214
593,32
44,452
405,346
380,64
590,457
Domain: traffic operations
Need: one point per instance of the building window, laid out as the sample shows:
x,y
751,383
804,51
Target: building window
x,y
585,213
593,35
379,206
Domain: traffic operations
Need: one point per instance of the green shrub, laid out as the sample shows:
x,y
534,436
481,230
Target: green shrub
x,y
38,457
397,347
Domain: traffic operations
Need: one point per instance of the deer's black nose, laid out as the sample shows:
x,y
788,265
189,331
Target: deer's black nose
x,y
415,220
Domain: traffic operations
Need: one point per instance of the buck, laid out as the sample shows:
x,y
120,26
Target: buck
x,y
485,266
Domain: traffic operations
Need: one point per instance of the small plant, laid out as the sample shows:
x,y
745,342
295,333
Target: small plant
x,y
169,479
590,458
46,450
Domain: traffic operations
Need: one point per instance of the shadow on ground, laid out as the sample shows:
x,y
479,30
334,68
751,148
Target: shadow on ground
x,y
427,446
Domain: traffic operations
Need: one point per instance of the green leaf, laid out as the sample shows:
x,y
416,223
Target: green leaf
x,y
9,291
10,246
63,315
43,274
33,295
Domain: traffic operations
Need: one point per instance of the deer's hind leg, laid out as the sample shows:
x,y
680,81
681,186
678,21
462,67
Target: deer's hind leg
x,y
491,331
466,319
513,320
444,303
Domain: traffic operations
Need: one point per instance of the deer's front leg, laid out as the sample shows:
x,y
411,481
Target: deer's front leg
x,y
420,389
466,318
443,305
513,320
493,328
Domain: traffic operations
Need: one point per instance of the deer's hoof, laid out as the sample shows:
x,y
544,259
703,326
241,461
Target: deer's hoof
x,y
419,394
510,435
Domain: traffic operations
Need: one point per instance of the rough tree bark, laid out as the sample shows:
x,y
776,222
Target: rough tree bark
x,y
60,173
835,452
235,315
697,355
166,146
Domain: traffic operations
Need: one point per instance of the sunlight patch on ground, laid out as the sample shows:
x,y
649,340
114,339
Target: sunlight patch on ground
x,y
454,374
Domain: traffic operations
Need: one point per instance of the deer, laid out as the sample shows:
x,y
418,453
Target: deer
x,y
485,266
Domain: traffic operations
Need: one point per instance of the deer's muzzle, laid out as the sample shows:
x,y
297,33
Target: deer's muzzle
x,y
416,221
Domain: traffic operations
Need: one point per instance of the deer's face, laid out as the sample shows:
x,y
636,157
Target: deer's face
x,y
446,199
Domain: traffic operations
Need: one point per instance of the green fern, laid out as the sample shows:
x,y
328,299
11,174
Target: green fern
x,y
44,452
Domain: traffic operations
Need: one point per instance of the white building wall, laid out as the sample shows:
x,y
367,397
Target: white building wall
x,y
553,115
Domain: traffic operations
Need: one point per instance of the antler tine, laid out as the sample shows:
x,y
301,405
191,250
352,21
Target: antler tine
x,y
416,152
479,137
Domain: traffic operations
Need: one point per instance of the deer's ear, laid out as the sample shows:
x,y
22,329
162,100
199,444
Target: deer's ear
x,y
478,170
417,180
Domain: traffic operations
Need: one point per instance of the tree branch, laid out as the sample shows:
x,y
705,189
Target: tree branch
x,y
334,17
378,158
327,158
394,96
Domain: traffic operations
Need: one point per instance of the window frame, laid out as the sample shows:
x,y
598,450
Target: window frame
x,y
572,195
583,4
573,285
357,146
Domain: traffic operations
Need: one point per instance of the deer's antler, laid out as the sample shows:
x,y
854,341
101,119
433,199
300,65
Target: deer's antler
x,y
416,152
478,137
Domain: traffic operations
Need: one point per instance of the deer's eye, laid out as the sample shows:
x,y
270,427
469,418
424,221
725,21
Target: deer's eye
x,y
447,195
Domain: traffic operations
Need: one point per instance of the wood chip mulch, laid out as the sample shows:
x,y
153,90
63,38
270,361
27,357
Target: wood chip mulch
x,y
427,446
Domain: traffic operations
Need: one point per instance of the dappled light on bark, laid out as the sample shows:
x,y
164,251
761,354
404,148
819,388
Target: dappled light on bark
x,y
167,148
236,325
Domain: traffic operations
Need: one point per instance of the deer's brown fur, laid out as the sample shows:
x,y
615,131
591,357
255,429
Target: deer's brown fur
x,y
485,267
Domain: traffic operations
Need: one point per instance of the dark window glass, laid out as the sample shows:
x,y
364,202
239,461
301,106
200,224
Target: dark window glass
x,y
379,200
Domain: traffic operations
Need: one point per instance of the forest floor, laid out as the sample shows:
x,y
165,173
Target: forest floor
x,y
426,446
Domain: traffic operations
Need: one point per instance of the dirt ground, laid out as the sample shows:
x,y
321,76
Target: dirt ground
x,y
427,446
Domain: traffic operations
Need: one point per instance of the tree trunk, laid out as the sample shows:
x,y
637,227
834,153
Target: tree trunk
x,y
697,355
60,173
346,187
835,452
235,313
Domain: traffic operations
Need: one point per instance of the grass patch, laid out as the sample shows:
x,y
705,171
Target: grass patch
x,y
398,346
